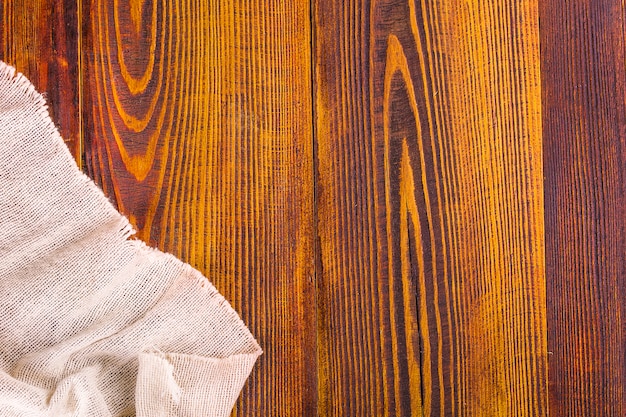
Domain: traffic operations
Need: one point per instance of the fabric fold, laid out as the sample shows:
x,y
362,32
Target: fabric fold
x,y
177,382
93,323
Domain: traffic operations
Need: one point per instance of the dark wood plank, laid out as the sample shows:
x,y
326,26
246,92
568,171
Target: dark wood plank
x,y
199,128
584,131
41,39
432,286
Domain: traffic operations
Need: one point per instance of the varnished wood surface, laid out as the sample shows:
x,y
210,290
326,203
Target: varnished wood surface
x,y
416,206
430,209
584,125
41,38
199,127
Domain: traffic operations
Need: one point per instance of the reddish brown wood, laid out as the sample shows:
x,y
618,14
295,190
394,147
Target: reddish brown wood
x,y
41,39
584,133
432,288
199,129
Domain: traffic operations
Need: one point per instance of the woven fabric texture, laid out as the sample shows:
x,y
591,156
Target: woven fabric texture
x,y
93,323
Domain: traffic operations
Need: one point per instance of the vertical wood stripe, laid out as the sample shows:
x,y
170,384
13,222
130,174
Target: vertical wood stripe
x,y
432,289
40,38
584,125
200,129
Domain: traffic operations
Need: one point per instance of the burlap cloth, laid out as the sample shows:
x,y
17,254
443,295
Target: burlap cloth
x,y
92,323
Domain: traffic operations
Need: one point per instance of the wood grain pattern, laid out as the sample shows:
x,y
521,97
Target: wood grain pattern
x,y
368,183
200,129
432,288
41,39
584,129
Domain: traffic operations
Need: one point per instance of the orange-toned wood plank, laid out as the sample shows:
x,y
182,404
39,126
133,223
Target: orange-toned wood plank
x,y
584,125
429,166
199,128
41,39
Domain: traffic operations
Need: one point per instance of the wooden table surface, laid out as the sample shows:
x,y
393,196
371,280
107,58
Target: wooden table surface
x,y
417,206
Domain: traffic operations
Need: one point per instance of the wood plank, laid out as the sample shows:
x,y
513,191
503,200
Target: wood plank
x,y
429,166
584,129
41,39
200,129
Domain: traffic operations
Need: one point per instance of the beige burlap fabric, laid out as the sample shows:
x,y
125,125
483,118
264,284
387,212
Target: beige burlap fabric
x,y
92,323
